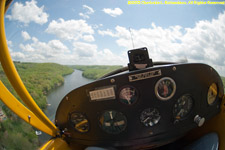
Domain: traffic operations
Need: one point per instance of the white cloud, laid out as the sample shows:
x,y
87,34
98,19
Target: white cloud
x,y
70,29
88,11
17,56
37,51
28,12
107,32
84,49
84,15
88,38
10,45
25,35
202,43
113,12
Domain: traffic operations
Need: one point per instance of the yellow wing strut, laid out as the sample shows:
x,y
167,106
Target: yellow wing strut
x,y
14,77
22,111
55,144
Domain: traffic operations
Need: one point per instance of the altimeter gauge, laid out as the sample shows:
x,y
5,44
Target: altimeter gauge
x,y
113,122
150,117
79,122
212,93
165,88
128,95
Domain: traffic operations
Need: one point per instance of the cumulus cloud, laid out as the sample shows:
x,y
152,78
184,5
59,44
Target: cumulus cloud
x,y
113,12
28,12
18,56
88,11
202,43
71,29
38,51
84,49
25,35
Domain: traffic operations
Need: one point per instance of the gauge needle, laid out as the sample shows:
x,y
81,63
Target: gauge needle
x,y
111,116
146,119
81,123
180,112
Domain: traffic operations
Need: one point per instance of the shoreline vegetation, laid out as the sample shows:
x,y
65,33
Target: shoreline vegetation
x,y
39,79
95,71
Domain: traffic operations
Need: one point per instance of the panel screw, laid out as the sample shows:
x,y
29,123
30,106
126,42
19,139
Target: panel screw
x,y
112,80
174,68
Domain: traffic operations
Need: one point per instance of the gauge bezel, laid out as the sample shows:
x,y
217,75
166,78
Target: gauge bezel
x,y
150,108
157,92
72,124
191,109
112,133
214,101
137,93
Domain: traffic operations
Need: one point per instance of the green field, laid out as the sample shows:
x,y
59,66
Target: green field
x,y
39,78
95,71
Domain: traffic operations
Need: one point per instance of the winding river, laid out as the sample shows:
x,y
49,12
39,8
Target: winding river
x,y
71,82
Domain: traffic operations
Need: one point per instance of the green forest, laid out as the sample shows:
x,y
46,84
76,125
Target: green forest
x,y
39,78
95,71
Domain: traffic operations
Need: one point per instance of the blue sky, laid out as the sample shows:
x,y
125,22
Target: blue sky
x,y
97,32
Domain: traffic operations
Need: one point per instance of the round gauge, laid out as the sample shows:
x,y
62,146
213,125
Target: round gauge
x,y
128,95
79,122
113,122
165,88
150,117
182,107
212,93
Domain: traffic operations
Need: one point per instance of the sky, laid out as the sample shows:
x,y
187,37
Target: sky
x,y
100,32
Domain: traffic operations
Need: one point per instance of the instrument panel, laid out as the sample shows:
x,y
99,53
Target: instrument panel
x,y
152,106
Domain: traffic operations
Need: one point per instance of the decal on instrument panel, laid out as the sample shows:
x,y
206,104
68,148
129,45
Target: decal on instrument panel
x,y
105,93
145,75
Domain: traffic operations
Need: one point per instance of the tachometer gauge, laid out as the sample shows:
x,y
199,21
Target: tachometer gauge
x,y
128,95
165,88
79,122
212,93
150,117
113,122
182,107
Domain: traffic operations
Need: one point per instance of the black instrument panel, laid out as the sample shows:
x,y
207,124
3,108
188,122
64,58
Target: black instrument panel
x,y
151,106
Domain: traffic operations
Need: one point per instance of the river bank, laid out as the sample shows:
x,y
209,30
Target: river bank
x,y
71,82
39,79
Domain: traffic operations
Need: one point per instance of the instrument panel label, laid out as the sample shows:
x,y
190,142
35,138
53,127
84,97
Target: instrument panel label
x,y
102,94
145,75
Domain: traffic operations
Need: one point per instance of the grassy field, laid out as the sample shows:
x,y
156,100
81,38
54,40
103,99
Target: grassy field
x,y
95,71
39,78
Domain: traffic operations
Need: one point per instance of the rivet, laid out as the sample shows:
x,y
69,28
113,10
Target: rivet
x,y
67,98
174,68
112,80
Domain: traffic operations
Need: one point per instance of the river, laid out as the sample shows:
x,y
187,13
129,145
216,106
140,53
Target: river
x,y
71,82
